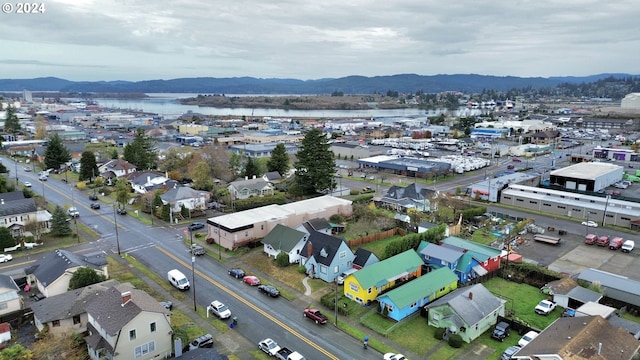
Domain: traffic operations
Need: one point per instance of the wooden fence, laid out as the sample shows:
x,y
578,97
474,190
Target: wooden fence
x,y
354,243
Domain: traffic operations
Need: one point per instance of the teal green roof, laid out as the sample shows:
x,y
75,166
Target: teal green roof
x,y
423,244
478,251
464,262
388,270
283,238
421,287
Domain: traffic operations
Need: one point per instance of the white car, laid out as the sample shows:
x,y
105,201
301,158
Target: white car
x,y
527,338
5,257
73,212
219,309
392,356
269,346
27,184
590,223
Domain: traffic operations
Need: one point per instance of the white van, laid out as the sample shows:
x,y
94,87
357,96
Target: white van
x,y
178,279
344,275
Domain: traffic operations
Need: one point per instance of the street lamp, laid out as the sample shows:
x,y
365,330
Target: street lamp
x,y
193,270
604,214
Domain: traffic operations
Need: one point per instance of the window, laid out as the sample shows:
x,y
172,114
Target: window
x,y
144,349
354,287
132,334
545,204
323,269
343,254
414,304
152,327
76,320
532,202
4,306
625,218
370,290
390,308
335,269
261,227
507,197
519,200
55,323
561,207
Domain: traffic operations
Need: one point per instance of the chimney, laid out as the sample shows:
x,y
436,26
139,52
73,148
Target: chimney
x,y
126,297
309,250
470,295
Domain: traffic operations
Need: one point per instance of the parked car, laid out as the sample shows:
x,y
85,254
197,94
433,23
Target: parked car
x,y
73,212
545,307
508,353
219,309
236,273
590,223
269,290
501,331
603,241
616,243
251,280
167,305
316,315
527,338
510,166
393,356
590,239
121,211
516,159
195,226
95,205
269,346
628,245
5,257
204,341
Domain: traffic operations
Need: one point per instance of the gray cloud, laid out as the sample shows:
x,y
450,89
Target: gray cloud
x,y
133,40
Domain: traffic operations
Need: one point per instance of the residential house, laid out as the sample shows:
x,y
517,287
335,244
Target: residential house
x,y
244,189
273,177
615,286
487,256
568,294
414,196
589,337
10,299
116,168
145,181
468,311
316,224
364,258
366,284
53,272
325,256
408,298
127,323
244,227
20,215
438,256
546,137
285,239
180,196
5,332
66,313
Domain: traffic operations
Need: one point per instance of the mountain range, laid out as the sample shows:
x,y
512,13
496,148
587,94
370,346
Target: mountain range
x,y
404,83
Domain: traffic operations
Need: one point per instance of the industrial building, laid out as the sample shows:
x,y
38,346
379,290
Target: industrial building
x,y
603,210
406,166
586,176
490,189
615,154
631,101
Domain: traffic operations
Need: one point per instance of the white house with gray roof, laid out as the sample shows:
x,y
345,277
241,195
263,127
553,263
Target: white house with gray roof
x,y
18,212
181,196
126,323
54,271
246,188
10,299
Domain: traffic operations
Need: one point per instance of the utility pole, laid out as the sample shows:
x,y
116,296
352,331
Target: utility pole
x,y
193,270
115,221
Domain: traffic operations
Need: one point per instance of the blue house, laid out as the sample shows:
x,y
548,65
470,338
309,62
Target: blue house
x,y
410,297
462,263
325,256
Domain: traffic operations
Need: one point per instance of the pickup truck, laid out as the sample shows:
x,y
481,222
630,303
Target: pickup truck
x,y
628,245
197,250
286,354
545,307
316,315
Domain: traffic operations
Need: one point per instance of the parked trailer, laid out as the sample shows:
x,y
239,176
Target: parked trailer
x,y
547,239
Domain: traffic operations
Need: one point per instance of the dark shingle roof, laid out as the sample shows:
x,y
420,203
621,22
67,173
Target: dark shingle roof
x,y
55,263
20,206
71,303
323,246
362,255
112,315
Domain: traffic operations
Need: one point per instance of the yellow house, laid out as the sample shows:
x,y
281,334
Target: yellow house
x,y
367,283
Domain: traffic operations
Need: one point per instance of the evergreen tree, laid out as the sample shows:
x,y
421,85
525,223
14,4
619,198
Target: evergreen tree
x,y
114,154
279,160
250,168
315,166
141,152
85,276
6,239
88,166
56,154
11,123
59,224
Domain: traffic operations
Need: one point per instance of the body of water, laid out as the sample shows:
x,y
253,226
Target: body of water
x,y
167,105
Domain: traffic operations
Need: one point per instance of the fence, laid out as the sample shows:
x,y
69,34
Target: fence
x,y
354,243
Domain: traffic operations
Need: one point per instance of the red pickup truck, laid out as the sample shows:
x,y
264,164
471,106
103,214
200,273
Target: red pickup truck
x,y
603,241
616,243
316,315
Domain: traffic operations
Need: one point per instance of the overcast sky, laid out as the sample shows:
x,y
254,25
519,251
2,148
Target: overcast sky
x,y
304,39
